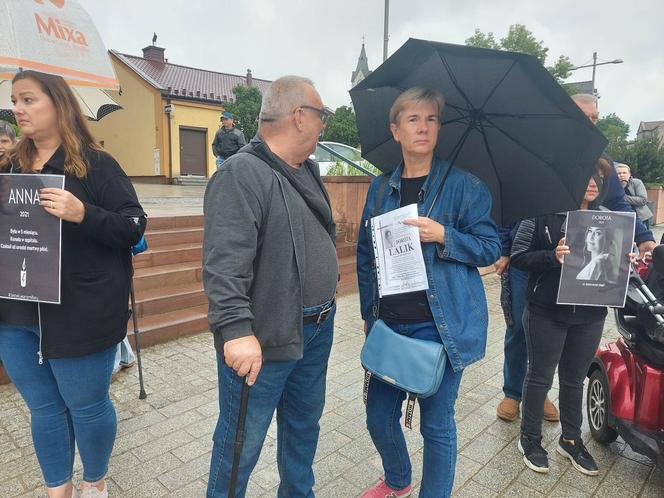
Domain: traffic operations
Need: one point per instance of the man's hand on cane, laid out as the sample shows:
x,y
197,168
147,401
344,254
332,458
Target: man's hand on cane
x,y
244,355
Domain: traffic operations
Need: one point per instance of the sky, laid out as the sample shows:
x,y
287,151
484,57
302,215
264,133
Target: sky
x,y
322,39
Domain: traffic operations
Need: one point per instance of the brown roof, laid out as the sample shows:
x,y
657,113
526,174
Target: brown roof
x,y
178,81
650,125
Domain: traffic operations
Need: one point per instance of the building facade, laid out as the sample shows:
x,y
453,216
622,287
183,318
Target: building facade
x,y
170,114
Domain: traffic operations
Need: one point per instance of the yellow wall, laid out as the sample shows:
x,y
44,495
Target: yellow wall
x,y
132,133
194,115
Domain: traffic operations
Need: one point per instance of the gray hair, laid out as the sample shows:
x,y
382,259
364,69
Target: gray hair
x,y
586,98
622,165
7,130
283,95
416,94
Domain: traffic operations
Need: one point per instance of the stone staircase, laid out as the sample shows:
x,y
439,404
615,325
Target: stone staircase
x,y
170,301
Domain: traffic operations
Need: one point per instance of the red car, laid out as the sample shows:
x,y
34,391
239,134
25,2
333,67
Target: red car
x,y
625,394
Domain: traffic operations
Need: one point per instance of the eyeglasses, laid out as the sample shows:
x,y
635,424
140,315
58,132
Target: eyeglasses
x,y
323,113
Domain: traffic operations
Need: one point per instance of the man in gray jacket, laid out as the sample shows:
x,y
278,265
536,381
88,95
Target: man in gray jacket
x,y
270,273
636,194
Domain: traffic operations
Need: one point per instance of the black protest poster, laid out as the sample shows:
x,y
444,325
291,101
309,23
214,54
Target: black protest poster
x,y
30,240
596,271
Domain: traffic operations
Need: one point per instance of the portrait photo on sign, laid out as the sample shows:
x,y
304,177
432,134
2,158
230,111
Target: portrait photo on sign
x,y
596,271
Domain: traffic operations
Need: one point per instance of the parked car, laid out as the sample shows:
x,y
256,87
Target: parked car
x,y
327,161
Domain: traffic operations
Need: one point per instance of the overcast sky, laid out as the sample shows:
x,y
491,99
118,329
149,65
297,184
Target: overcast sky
x,y
322,39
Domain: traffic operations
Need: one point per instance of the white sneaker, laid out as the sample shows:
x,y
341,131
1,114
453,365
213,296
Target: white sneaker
x,y
93,492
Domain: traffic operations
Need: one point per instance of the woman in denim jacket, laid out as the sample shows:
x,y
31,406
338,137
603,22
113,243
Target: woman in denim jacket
x,y
457,237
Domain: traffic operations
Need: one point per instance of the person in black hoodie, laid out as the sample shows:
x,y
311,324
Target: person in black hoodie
x,y
556,335
60,356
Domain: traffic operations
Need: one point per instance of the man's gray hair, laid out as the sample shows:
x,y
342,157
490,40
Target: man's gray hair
x,y
622,165
282,97
584,97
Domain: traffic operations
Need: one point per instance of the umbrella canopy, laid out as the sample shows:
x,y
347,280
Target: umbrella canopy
x,y
56,37
506,120
94,102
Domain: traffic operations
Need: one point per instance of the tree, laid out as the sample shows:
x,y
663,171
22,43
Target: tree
x,y
245,109
616,131
520,39
342,127
645,157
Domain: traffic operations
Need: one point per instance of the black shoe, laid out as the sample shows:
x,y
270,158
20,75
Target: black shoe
x,y
579,456
534,456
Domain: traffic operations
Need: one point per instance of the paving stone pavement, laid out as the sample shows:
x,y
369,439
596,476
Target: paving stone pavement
x,y
163,445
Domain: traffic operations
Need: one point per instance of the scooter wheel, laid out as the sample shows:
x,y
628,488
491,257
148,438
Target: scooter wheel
x,y
597,407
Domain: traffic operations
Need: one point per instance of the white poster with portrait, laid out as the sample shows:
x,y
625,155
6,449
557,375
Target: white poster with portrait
x,y
596,271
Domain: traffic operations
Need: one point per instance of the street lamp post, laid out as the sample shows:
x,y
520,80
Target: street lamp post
x,y
386,28
594,66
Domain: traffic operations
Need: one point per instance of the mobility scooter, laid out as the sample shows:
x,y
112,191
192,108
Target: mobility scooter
x,y
625,394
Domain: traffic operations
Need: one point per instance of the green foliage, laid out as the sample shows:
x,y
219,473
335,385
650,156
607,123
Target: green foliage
x,y
616,131
645,157
342,127
520,39
342,168
245,109
482,40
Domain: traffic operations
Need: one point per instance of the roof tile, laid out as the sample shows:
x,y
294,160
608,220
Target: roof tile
x,y
200,84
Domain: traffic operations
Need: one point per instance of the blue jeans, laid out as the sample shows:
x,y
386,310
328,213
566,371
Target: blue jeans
x,y
69,405
296,389
437,425
516,354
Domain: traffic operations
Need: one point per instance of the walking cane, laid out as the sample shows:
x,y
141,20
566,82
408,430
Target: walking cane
x,y
138,248
239,438
142,394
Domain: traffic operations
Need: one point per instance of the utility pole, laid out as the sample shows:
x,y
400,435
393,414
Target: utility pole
x,y
594,66
594,69
386,28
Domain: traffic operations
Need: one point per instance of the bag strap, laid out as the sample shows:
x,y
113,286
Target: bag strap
x,y
410,409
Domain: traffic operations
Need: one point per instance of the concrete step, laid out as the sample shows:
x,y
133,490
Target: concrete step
x,y
166,222
165,299
167,255
165,327
167,276
172,236
190,180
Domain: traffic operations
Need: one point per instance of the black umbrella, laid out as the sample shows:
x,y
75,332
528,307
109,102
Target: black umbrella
x,y
506,120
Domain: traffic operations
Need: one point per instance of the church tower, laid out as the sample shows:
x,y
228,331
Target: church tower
x,y
362,69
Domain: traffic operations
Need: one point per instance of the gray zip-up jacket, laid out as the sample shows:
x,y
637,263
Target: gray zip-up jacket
x,y
253,256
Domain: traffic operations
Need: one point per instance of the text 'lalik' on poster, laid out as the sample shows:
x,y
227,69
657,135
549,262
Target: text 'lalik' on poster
x,y
398,253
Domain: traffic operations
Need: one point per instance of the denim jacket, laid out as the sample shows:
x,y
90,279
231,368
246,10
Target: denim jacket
x,y
456,294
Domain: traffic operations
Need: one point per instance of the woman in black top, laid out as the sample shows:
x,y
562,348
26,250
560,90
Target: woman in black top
x,y
557,335
60,356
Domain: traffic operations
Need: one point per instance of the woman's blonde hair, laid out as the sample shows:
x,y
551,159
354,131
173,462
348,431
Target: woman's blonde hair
x,y
72,127
416,94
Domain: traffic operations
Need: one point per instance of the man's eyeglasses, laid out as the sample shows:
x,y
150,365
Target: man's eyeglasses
x,y
323,113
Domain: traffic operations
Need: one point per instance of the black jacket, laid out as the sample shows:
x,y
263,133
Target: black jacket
x,y
227,142
533,251
96,264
